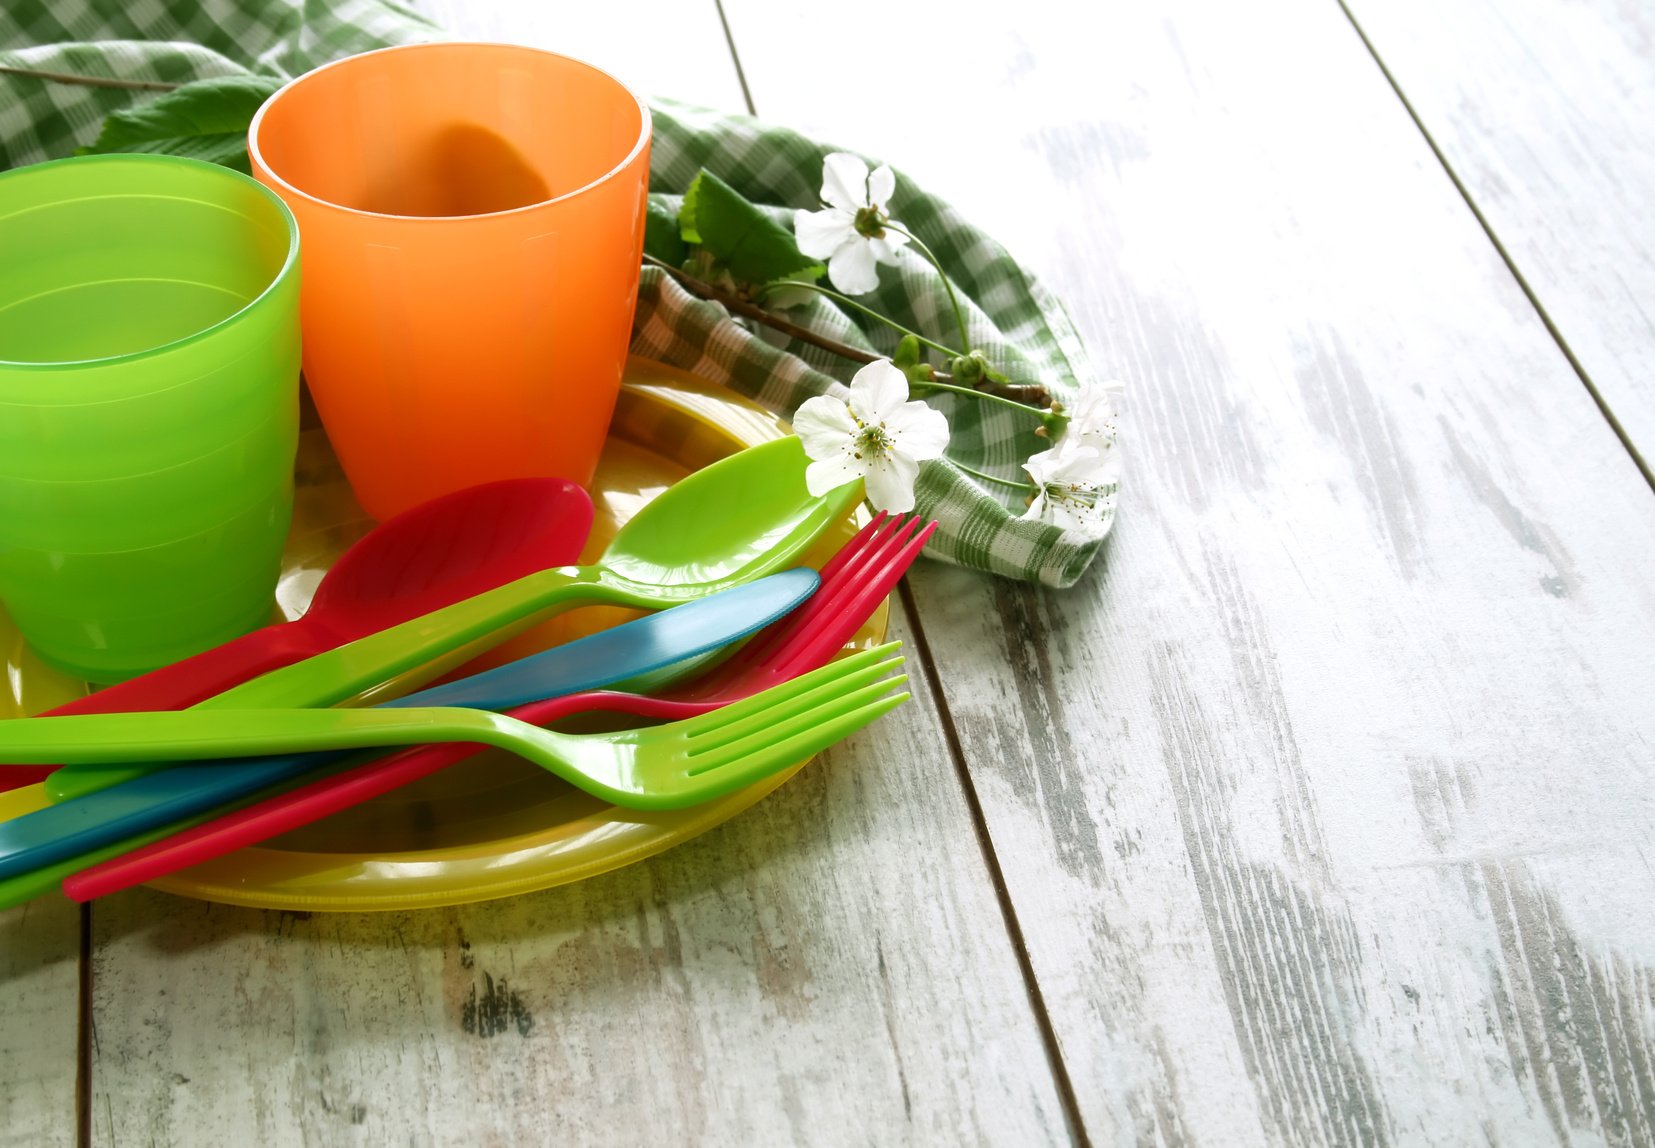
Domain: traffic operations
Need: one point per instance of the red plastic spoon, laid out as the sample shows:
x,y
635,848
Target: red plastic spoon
x,y
441,552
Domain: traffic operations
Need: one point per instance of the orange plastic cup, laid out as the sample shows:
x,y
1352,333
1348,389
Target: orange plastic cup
x,y
472,218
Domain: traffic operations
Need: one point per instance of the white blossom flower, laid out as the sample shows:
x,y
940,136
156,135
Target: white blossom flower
x,y
1094,419
852,231
878,436
1074,488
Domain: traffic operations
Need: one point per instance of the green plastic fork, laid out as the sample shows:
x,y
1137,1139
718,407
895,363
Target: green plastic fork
x,y
663,767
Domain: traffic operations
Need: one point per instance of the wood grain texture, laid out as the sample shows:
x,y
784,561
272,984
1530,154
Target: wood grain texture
x,y
671,48
829,968
1324,805
1543,110
39,1021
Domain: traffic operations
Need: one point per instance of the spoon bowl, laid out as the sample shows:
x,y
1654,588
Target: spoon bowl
x,y
447,550
722,525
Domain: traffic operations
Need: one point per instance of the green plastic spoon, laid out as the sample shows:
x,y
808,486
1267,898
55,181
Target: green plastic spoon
x,y
741,518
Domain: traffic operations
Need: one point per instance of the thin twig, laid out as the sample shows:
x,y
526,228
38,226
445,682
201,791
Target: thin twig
x,y
738,306
89,81
1028,394
847,301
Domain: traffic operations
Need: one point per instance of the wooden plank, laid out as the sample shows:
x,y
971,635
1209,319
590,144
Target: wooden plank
x,y
1543,111
830,967
1324,805
659,48
39,1021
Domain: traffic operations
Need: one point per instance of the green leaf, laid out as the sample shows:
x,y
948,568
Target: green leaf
x,y
754,248
204,119
661,237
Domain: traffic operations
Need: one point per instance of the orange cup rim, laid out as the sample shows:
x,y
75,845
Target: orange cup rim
x,y
253,128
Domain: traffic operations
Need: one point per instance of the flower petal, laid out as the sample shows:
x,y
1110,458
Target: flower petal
x,y
1069,461
1098,402
852,268
1107,468
1085,462
845,181
880,186
1095,415
1040,466
825,427
877,391
821,233
891,484
884,251
827,474
918,431
892,237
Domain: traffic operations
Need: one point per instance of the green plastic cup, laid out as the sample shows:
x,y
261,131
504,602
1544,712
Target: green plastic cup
x,y
149,367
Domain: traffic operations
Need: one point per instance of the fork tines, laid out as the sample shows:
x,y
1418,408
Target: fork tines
x,y
798,718
857,578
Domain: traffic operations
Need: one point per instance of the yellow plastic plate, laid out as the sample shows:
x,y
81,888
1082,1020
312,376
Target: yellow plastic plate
x,y
494,825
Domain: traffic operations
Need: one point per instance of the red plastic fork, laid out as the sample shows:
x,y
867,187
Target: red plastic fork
x,y
853,584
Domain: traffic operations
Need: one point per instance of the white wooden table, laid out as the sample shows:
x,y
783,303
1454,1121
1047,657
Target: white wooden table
x,y
1320,813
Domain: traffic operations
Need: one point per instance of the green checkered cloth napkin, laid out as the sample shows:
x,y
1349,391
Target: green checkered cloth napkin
x,y
138,46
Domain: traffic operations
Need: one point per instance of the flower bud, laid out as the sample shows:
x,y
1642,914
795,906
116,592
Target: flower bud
x,y
987,372
966,369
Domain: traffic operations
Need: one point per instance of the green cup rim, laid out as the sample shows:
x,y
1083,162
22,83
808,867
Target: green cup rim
x,y
211,171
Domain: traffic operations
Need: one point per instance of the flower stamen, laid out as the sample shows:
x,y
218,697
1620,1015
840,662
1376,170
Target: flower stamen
x,y
875,433
873,439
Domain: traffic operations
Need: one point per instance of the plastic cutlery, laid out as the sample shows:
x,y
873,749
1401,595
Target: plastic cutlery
x,y
661,767
854,582
444,551
738,519
97,820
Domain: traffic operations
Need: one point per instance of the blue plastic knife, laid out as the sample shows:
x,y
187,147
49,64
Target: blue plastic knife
x,y
669,638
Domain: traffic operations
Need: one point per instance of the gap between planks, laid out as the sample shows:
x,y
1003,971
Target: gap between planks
x,y
1488,230
1075,1126
991,862
735,57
